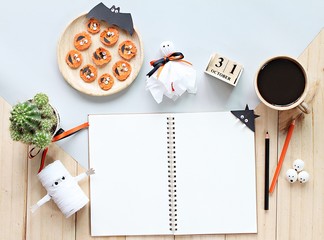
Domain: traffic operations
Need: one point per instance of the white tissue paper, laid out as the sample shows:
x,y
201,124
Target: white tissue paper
x,y
173,78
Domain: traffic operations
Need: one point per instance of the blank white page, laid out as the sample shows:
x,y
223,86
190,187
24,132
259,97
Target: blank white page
x,y
129,191
216,188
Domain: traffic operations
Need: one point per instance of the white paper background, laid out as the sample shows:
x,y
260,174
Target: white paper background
x,y
245,31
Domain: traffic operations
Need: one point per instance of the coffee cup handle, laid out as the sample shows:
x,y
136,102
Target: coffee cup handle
x,y
304,107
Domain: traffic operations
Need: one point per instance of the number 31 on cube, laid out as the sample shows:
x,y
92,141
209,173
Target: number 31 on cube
x,y
224,69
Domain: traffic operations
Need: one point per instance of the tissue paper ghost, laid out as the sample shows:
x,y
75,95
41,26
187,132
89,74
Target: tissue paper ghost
x,y
171,76
62,188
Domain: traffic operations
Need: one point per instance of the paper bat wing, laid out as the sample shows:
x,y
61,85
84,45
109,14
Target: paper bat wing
x,y
122,20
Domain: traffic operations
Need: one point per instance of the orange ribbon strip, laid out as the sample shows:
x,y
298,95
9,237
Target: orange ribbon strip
x,y
70,132
60,136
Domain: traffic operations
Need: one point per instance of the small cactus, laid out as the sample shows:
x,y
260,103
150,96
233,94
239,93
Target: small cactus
x,y
42,139
46,111
25,116
41,100
33,121
47,124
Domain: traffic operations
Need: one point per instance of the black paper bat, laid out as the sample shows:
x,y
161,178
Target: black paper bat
x,y
112,16
246,116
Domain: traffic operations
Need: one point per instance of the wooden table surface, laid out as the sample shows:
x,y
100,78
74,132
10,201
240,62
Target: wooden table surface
x,y
296,210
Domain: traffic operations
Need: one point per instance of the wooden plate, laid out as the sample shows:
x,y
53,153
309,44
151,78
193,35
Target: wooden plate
x,y
72,75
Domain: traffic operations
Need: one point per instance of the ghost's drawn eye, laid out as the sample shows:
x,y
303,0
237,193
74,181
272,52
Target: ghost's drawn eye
x,y
168,45
56,183
163,45
63,178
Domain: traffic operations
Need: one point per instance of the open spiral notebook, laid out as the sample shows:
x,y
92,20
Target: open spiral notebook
x,y
171,174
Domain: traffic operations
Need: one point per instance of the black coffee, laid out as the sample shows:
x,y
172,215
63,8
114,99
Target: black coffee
x,y
281,82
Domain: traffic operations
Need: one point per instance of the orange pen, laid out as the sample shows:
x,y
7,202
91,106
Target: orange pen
x,y
282,156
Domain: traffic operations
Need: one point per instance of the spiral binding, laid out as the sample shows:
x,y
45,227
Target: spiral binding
x,y
172,174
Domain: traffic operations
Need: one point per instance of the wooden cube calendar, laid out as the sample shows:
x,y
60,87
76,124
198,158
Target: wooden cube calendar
x,y
224,69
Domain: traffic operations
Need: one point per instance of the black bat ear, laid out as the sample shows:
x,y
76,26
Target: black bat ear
x,y
122,20
115,9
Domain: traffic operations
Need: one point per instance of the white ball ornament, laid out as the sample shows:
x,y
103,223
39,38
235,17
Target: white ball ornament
x,y
298,165
291,175
303,177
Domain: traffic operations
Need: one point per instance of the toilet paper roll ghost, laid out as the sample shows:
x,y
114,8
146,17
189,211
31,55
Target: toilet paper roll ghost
x,y
171,75
62,188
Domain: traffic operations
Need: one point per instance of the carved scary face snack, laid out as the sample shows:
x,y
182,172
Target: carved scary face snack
x,y
109,36
82,41
88,73
106,81
101,56
122,70
74,59
127,49
93,26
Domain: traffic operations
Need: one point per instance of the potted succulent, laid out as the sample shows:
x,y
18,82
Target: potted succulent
x,y
34,121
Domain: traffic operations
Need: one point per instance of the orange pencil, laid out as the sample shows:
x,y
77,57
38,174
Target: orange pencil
x,y
282,156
